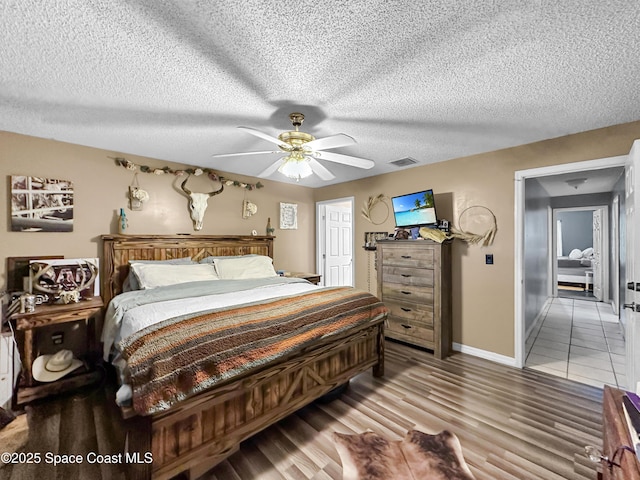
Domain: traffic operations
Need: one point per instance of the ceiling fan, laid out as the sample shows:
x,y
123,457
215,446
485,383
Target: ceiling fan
x,y
302,152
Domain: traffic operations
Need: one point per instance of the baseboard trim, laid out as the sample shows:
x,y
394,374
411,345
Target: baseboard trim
x,y
538,318
487,355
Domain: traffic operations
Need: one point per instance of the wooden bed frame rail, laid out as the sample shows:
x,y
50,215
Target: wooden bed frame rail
x,y
200,432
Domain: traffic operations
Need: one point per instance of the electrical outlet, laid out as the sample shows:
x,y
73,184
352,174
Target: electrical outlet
x,y
488,259
57,338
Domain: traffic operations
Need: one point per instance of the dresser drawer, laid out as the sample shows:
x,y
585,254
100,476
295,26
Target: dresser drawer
x,y
411,312
408,276
409,331
407,293
405,256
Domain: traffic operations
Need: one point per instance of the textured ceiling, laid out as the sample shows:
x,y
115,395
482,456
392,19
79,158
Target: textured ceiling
x,y
432,80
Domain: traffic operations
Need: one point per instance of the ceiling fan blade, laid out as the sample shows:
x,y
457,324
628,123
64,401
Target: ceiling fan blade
x,y
345,159
265,152
270,170
263,135
320,170
332,141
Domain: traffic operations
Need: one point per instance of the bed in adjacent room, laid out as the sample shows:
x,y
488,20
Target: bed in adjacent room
x,y
212,346
573,269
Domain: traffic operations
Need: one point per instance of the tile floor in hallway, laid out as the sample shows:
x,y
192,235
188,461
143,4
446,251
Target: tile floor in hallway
x,y
580,340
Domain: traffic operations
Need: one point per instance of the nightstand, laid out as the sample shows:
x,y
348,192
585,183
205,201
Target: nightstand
x,y
27,325
311,277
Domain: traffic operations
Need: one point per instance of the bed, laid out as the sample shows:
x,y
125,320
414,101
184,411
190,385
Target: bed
x,y
572,271
190,435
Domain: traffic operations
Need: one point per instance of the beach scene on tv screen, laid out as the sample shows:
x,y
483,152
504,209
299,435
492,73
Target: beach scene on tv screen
x,y
414,209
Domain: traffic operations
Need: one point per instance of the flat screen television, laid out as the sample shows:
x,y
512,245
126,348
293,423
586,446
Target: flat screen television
x,y
414,209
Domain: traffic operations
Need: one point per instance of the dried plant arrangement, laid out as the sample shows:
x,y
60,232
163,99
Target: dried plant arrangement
x,y
369,206
468,214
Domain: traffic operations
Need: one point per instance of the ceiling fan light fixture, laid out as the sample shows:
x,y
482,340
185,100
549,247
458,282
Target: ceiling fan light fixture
x,y
303,151
295,139
295,167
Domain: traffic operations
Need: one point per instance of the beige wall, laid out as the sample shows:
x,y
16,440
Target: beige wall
x,y
100,189
483,295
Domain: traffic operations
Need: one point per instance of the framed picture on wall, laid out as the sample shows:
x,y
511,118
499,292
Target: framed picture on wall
x,y
288,216
41,204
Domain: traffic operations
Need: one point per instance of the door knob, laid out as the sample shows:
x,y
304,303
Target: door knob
x,y
633,306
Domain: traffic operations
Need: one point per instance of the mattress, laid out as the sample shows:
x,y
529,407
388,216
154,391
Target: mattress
x,y
565,262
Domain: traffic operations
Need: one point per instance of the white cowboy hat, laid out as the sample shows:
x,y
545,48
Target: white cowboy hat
x,y
49,368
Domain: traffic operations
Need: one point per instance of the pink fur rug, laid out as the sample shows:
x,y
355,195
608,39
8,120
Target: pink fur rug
x,y
419,456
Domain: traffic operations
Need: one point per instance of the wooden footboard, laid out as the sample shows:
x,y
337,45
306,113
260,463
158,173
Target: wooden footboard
x,y
202,431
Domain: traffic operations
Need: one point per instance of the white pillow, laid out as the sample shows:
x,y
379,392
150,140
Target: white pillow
x,y
587,252
151,275
131,282
575,254
212,258
258,266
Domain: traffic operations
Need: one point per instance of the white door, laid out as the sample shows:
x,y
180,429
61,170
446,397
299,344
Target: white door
x,y
596,262
615,254
338,268
630,315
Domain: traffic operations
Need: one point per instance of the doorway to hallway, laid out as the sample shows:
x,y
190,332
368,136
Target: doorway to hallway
x,y
542,190
580,240
334,240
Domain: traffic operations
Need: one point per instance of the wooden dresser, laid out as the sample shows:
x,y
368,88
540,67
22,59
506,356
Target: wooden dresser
x,y
614,434
414,282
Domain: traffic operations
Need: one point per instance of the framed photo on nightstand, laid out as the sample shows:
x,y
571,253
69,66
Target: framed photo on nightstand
x,y
288,216
65,275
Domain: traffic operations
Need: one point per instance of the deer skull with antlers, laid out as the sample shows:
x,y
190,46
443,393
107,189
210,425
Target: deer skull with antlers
x,y
44,280
198,203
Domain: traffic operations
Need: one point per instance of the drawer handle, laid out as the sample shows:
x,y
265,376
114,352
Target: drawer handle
x,y
406,275
405,309
405,292
405,256
406,326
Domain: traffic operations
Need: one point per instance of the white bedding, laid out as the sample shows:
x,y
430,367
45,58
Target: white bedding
x,y
572,278
573,270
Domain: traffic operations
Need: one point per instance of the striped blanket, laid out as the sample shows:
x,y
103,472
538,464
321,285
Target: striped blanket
x,y
180,357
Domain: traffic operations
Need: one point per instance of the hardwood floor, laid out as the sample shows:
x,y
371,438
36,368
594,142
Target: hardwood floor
x,y
512,424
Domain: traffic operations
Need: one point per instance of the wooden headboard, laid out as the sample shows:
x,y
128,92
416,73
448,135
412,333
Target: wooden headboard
x,y
119,249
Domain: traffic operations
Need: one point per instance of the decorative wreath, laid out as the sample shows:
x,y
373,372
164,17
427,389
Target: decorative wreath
x,y
467,216
370,204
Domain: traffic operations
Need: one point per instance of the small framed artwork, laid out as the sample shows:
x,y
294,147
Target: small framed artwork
x,y
288,216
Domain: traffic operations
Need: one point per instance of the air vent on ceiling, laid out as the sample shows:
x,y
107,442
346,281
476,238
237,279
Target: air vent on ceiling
x,y
403,162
